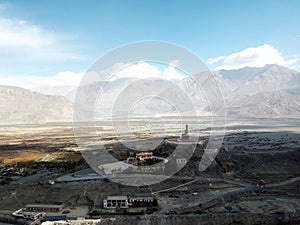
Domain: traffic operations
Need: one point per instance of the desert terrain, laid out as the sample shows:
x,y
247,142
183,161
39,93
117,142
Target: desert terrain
x,y
254,179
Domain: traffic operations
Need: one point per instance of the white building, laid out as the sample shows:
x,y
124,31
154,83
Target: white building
x,y
113,202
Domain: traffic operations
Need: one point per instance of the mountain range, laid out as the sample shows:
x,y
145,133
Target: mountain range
x,y
271,91
19,105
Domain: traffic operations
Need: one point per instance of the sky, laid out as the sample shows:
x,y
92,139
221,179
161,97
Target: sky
x,y
55,42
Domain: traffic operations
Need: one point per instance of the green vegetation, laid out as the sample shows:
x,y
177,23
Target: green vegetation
x,y
148,162
54,166
124,154
105,179
27,168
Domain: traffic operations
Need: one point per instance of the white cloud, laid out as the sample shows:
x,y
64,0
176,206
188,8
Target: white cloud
x,y
252,57
31,82
19,33
22,39
67,78
174,63
140,70
211,61
143,70
171,73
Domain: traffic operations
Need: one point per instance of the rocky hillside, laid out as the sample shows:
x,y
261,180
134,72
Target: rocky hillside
x,y
18,105
270,91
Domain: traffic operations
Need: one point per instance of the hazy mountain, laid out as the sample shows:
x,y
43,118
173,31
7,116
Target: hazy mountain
x,y
253,92
278,103
204,89
124,96
269,91
99,96
64,90
265,79
18,105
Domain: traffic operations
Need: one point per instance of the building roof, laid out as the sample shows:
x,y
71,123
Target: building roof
x,y
42,206
141,198
116,197
145,153
30,213
54,218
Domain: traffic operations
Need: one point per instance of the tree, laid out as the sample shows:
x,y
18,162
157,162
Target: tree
x,y
124,154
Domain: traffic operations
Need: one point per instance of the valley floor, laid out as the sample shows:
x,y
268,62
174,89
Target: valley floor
x,y
226,193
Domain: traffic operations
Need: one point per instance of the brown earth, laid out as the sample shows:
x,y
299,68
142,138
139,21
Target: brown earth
x,y
226,192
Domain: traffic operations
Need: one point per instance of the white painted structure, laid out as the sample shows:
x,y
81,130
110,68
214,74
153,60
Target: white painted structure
x,y
113,202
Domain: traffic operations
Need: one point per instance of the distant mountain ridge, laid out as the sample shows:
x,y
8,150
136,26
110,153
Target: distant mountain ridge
x,y
271,91
19,105
279,103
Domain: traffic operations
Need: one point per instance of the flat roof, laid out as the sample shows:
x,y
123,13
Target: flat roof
x,y
54,218
140,197
120,197
42,206
30,213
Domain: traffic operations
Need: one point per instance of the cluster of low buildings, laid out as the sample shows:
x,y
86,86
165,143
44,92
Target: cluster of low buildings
x,y
10,172
140,157
27,215
53,212
38,212
125,202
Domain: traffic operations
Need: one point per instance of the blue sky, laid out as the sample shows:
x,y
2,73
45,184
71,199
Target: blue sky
x,y
47,38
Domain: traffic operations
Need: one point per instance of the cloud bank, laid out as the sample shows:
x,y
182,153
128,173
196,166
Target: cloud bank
x,y
140,70
66,78
143,70
20,39
251,57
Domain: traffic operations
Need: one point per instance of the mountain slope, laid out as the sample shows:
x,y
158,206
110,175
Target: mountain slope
x,y
270,91
18,105
275,104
